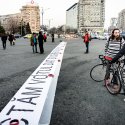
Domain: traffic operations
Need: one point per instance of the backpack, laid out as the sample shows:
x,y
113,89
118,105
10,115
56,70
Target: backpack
x,y
44,36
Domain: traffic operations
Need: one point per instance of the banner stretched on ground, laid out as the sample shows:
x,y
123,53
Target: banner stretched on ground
x,y
26,107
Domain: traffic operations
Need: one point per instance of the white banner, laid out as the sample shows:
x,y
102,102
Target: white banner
x,y
27,105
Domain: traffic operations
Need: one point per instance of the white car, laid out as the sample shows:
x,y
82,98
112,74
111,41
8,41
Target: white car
x,y
100,37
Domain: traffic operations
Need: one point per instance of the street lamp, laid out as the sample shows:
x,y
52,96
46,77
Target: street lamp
x,y
50,22
42,14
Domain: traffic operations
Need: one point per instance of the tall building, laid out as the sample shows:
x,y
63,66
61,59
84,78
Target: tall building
x,y
121,20
91,15
113,24
71,16
30,13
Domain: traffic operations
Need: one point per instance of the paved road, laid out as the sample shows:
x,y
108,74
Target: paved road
x,y
78,100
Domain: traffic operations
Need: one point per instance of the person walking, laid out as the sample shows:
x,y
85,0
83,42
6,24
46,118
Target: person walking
x,y
52,37
45,37
86,39
33,41
4,39
40,40
11,38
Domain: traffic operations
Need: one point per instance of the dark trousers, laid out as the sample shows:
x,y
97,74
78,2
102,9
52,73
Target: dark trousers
x,y
41,48
44,40
87,47
107,76
4,44
11,43
34,46
52,39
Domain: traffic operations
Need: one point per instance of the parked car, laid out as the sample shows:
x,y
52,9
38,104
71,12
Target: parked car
x,y
102,37
94,36
27,36
17,35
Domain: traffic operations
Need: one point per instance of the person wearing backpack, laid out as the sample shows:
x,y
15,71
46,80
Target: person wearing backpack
x,y
45,37
86,39
112,47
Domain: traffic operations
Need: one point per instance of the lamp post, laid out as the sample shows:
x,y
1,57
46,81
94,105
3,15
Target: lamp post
x,y
50,22
21,26
43,14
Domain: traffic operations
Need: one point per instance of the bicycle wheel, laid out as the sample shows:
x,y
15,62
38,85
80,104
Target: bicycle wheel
x,y
97,73
113,84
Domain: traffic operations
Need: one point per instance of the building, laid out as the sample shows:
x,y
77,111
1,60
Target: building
x,y
30,13
91,15
113,24
71,16
7,20
121,20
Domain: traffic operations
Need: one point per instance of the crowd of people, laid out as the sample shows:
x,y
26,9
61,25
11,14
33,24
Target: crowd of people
x,y
36,39
4,38
39,40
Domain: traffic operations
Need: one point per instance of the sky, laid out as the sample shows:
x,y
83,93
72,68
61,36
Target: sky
x,y
55,10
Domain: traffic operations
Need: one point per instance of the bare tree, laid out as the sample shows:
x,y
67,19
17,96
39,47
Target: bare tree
x,y
13,25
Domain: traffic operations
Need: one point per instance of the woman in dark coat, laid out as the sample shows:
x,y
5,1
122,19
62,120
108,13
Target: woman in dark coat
x,y
11,38
40,39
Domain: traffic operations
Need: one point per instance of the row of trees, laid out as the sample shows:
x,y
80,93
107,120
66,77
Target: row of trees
x,y
13,26
60,29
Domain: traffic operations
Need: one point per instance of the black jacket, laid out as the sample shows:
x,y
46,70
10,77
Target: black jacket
x,y
119,54
4,38
40,39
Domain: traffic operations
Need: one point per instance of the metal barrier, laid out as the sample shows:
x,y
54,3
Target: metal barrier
x,y
33,103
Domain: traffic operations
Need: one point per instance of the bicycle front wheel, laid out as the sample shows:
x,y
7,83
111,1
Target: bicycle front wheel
x,y
98,72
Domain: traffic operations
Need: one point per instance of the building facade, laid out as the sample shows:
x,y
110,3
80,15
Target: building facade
x,y
31,14
91,15
113,24
71,16
121,20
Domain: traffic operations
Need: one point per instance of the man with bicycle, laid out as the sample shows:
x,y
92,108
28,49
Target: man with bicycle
x,y
113,46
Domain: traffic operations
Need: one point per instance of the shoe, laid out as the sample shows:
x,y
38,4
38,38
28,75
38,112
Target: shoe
x,y
107,82
115,86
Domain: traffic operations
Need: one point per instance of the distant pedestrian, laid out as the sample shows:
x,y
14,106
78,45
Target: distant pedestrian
x,y
86,41
4,39
45,37
13,43
52,35
33,41
11,38
41,39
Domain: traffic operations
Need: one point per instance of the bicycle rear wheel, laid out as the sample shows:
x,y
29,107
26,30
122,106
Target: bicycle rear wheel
x,y
113,84
97,73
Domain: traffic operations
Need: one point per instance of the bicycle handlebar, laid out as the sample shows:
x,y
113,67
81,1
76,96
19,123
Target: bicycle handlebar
x,y
101,56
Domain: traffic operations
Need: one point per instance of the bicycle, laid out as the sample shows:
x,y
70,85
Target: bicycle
x,y
115,80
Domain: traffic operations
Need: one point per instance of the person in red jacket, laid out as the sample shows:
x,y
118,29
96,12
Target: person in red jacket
x,y
86,41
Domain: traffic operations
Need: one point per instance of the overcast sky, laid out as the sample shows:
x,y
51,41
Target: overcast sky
x,y
57,9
